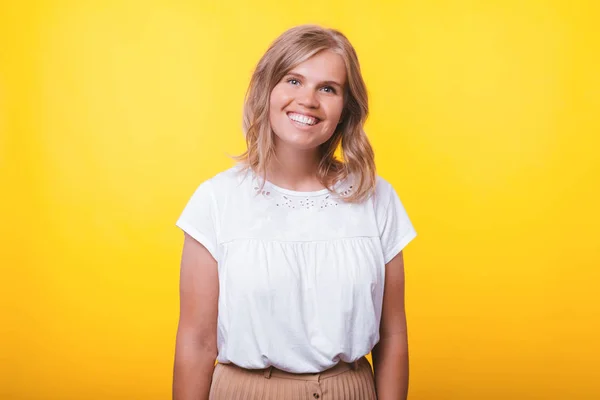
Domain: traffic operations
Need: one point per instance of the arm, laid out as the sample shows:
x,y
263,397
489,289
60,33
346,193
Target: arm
x,y
390,355
196,343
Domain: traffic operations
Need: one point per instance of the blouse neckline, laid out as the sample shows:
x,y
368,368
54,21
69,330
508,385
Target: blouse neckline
x,y
290,192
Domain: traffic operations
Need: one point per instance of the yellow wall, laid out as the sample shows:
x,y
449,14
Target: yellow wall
x,y
484,117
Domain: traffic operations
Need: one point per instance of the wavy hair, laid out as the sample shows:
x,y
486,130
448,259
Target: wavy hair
x,y
290,49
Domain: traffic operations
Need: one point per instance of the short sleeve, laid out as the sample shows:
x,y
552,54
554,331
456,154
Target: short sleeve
x,y
199,218
395,227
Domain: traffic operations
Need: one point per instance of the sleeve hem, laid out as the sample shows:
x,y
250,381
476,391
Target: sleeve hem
x,y
198,236
406,239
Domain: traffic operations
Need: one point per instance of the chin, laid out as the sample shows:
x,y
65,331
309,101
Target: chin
x,y
299,143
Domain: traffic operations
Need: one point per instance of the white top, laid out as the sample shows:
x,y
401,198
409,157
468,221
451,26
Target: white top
x,y
300,273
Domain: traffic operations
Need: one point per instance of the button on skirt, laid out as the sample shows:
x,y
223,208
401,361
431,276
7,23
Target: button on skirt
x,y
345,381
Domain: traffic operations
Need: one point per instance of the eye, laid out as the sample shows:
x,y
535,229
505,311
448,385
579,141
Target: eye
x,y
329,89
293,81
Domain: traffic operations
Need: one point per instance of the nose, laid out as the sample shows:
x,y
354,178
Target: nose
x,y
307,98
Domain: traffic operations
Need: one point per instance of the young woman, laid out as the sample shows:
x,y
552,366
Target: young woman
x,y
292,267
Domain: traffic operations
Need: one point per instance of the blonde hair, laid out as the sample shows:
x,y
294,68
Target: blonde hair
x,y
290,49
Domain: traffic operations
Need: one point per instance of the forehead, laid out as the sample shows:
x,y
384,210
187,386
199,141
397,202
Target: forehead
x,y
323,66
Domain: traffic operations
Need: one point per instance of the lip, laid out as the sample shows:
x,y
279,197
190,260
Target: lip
x,y
303,113
300,126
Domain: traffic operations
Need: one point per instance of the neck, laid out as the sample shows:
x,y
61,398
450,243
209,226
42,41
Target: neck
x,y
295,169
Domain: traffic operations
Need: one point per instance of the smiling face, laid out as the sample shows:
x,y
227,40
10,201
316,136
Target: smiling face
x,y
306,105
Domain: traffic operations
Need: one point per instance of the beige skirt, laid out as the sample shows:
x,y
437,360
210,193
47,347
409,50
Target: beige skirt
x,y
345,381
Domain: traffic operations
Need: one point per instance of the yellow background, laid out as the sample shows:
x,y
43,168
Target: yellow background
x,y
484,116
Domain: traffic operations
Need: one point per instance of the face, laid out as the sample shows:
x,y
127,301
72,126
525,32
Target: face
x,y
306,105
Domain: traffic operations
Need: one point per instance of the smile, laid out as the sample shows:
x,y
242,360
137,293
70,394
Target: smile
x,y
303,119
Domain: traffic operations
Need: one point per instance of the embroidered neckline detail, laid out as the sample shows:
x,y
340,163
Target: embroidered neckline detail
x,y
321,199
286,198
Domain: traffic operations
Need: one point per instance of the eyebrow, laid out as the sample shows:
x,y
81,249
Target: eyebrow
x,y
324,82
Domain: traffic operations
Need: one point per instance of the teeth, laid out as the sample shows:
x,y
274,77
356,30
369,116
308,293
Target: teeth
x,y
303,119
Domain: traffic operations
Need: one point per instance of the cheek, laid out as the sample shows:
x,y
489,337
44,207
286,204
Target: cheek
x,y
277,102
273,97
335,110
279,98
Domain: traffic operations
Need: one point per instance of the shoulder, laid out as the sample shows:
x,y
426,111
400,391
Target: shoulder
x,y
225,181
382,186
381,189
383,192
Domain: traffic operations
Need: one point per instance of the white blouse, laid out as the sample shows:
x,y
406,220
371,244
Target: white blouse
x,y
301,274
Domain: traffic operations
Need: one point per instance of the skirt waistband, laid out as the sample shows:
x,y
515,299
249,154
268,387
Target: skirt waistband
x,y
269,372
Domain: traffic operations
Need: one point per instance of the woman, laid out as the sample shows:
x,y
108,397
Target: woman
x,y
286,255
